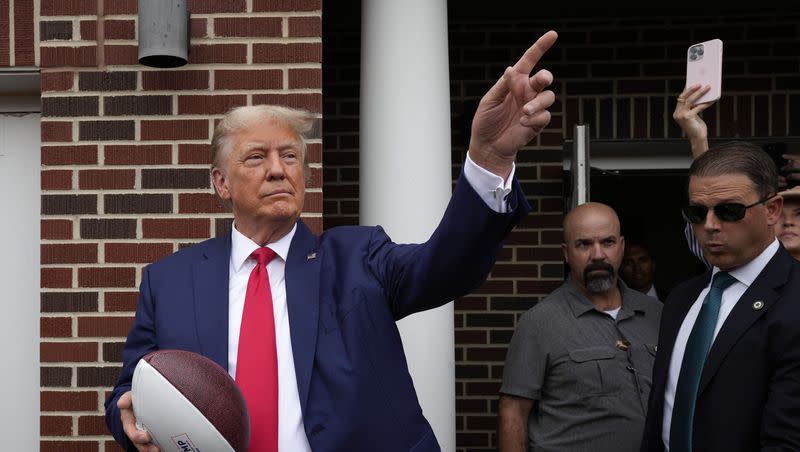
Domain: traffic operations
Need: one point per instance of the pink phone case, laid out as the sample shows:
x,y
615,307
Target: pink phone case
x,y
704,66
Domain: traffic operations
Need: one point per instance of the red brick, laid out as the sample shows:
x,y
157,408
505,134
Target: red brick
x,y
121,54
56,180
112,446
88,30
194,154
177,228
106,277
106,179
217,6
69,401
119,29
144,253
183,129
5,50
218,54
56,131
85,56
305,78
248,79
286,5
314,223
314,152
200,203
57,81
104,326
305,52
313,202
128,154
69,253
174,80
55,425
199,28
316,178
69,155
92,426
68,7
120,301
121,7
56,229
68,446
55,327
63,352
311,102
249,27
23,33
56,277
310,26
208,105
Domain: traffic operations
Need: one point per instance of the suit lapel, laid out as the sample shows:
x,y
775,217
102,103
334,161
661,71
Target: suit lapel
x,y
211,276
743,315
302,298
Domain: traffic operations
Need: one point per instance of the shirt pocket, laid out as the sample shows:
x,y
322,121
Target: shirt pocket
x,y
591,369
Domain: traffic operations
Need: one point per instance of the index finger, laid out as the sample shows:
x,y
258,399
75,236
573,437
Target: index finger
x,y
534,53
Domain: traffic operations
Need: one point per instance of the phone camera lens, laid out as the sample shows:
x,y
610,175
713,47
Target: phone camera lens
x,y
693,50
699,50
693,56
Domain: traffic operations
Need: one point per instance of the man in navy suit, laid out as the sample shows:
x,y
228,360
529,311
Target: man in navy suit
x,y
730,381
343,378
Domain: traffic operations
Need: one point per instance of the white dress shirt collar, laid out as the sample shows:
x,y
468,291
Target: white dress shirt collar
x,y
242,246
748,272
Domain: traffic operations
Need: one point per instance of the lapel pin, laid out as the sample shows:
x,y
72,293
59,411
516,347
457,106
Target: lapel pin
x,y
758,305
311,256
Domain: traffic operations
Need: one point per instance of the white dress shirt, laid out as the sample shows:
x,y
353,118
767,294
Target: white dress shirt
x,y
291,433
745,275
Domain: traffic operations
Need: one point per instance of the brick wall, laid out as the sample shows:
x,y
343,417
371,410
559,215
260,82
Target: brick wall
x,y
17,33
620,75
125,170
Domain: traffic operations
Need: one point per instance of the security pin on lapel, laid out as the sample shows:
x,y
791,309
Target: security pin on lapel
x,y
758,305
311,256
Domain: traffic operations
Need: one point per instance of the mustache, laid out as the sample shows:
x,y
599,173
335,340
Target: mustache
x,y
597,266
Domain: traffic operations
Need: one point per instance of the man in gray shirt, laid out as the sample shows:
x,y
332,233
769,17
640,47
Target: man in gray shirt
x,y
578,370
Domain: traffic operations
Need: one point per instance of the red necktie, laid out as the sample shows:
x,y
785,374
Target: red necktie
x,y
257,361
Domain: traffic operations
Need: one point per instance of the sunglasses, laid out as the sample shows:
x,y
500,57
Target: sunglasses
x,y
728,211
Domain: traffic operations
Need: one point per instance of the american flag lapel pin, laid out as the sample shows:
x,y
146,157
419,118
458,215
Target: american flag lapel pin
x,y
311,256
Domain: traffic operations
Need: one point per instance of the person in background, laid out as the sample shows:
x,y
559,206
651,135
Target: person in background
x,y
638,270
577,372
687,116
788,227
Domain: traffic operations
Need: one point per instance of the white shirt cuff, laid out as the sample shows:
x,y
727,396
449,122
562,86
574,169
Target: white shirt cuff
x,y
489,186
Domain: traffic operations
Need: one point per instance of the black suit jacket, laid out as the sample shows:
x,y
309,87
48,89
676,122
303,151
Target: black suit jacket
x,y
749,396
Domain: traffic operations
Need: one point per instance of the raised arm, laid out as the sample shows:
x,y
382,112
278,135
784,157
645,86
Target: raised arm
x,y
513,111
687,116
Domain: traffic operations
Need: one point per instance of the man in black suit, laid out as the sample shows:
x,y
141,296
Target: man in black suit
x,y
727,372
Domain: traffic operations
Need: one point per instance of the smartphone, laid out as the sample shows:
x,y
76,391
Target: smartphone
x,y
704,67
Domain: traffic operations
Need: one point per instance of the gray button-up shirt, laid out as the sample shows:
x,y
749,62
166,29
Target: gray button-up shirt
x,y
589,374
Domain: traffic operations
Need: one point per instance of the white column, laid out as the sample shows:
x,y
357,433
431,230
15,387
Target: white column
x,y
405,176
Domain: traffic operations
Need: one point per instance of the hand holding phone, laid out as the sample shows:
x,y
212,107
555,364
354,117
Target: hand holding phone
x,y
704,67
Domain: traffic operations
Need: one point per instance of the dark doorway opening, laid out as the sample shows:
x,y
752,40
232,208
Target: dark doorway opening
x,y
648,203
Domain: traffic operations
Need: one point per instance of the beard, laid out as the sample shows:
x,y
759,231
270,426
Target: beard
x,y
599,283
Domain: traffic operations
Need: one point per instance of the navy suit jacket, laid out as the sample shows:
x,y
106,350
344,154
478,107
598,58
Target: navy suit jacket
x,y
355,389
749,396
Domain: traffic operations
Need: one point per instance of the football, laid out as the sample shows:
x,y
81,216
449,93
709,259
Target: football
x,y
187,403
